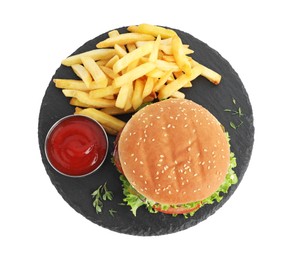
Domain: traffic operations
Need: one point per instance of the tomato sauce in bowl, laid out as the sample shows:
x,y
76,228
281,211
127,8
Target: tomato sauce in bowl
x,y
76,146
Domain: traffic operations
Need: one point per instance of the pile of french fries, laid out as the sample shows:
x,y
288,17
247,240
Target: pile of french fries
x,y
127,70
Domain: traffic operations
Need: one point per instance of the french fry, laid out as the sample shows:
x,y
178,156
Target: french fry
x,y
124,38
95,71
82,73
116,111
132,56
152,30
179,55
135,73
70,84
169,58
131,47
103,118
148,87
128,104
175,85
165,66
211,75
155,50
83,97
120,51
111,62
103,92
113,33
75,102
109,72
122,96
75,84
110,130
161,82
155,73
137,94
178,94
96,54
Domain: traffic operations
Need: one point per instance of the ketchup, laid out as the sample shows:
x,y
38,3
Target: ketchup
x,y
76,145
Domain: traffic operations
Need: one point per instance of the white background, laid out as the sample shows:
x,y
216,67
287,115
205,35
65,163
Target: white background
x,y
36,223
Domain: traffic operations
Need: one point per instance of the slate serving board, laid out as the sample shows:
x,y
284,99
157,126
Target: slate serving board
x,y
77,191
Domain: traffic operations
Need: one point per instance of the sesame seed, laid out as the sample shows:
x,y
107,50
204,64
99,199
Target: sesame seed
x,y
132,155
205,150
135,159
195,174
141,176
141,162
162,156
153,140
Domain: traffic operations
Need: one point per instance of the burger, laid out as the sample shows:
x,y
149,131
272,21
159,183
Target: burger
x,y
174,157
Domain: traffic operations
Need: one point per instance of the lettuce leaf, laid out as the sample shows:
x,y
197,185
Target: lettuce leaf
x,y
135,200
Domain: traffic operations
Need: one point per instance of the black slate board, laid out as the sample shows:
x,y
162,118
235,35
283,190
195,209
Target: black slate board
x,y
77,191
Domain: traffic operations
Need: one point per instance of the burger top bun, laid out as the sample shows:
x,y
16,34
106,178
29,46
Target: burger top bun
x,y
174,152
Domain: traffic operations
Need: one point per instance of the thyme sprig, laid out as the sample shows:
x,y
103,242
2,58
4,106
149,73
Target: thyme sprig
x,y
99,195
235,112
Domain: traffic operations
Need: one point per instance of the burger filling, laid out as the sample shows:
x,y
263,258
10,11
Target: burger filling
x,y
135,200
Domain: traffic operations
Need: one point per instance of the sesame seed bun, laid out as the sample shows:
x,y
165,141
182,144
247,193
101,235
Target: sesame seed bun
x,y
174,152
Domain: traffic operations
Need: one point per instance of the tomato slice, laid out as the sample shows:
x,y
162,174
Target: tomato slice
x,y
177,210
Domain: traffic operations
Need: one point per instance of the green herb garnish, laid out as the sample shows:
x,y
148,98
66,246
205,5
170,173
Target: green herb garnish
x,y
235,112
112,212
99,195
